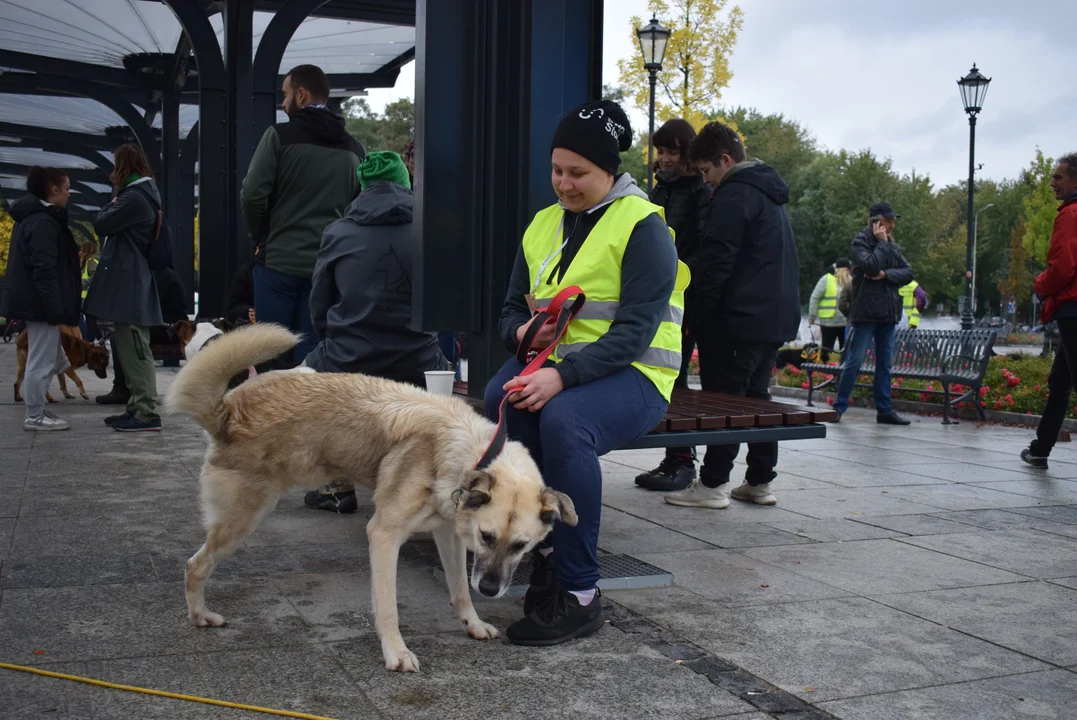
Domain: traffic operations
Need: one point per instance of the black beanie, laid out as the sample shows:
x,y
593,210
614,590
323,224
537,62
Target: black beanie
x,y
598,130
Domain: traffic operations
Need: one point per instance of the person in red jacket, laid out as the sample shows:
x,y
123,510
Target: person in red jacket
x,y
1057,287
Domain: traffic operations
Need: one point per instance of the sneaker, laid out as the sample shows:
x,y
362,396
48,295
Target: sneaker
x,y
701,496
1037,461
543,582
891,418
133,424
559,619
113,398
670,475
47,422
759,494
341,502
113,419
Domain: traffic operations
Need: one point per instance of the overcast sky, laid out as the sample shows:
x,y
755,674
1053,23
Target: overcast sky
x,y
884,76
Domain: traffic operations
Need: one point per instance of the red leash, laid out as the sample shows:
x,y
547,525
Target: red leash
x,y
560,312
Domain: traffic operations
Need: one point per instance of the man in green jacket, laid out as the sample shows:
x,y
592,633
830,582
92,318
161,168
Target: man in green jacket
x,y
301,178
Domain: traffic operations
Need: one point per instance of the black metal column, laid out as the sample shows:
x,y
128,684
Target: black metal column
x,y
496,76
183,214
238,49
170,157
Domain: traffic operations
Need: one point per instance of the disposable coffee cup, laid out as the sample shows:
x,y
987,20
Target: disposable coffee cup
x,y
440,382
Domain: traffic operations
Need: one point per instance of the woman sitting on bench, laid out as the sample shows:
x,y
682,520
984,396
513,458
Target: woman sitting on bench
x,y
610,377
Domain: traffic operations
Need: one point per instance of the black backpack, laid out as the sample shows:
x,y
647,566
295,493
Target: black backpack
x,y
159,254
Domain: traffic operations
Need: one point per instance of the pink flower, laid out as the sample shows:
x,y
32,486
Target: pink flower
x,y
1013,381
984,390
830,399
1008,399
998,404
804,385
1036,387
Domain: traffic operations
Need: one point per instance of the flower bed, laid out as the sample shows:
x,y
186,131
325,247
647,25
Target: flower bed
x,y
1015,383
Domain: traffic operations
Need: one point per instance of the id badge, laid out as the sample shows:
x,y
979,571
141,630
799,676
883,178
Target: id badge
x,y
532,304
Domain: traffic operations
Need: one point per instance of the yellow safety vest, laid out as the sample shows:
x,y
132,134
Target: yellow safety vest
x,y
828,306
908,295
86,276
596,269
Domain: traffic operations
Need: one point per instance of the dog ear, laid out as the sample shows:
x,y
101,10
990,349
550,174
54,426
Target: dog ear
x,y
224,325
557,506
478,484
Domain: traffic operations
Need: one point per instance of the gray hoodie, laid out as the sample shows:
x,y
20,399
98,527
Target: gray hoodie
x,y
648,276
361,296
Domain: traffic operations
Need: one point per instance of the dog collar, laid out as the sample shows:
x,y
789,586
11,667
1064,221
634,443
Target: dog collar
x,y
456,495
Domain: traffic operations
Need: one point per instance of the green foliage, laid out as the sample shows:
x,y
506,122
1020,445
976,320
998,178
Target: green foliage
x,y
1040,208
391,130
781,142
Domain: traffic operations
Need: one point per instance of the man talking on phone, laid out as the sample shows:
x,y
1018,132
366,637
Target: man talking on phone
x,y
879,270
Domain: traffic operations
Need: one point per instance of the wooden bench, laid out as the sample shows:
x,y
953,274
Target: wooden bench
x,y
695,417
952,357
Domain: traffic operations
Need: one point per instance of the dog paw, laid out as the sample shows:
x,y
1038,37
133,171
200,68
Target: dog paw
x,y
84,396
482,630
69,396
207,619
50,398
403,660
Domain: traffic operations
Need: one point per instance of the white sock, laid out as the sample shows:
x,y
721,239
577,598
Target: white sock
x,y
545,552
584,596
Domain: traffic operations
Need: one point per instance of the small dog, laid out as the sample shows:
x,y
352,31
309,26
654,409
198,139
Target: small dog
x,y
795,356
80,353
419,452
193,335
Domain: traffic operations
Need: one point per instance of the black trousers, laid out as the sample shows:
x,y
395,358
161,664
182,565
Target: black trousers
x,y
833,339
1059,386
737,366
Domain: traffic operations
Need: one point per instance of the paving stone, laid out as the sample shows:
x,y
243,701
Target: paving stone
x,y
965,497
1026,617
840,530
912,524
876,567
76,570
125,534
851,503
1031,553
624,533
1055,513
1046,490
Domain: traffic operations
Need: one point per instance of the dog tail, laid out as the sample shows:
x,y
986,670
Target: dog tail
x,y
200,386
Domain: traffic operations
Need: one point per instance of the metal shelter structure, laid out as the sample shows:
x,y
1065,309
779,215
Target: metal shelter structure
x,y
197,82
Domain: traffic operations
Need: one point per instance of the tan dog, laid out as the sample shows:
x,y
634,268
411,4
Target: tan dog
x,y
80,353
417,451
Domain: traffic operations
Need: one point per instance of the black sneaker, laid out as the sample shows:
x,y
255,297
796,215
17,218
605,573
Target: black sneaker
x,y
543,582
113,398
133,424
672,474
1037,461
892,418
341,502
113,419
560,619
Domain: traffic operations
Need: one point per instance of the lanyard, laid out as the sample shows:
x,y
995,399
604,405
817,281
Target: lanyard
x,y
556,252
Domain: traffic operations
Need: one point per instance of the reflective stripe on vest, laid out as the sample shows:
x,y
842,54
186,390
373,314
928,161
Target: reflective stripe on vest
x,y
597,270
908,295
828,306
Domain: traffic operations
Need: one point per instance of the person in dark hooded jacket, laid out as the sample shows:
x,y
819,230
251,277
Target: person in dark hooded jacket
x,y
360,301
301,178
42,286
124,290
745,292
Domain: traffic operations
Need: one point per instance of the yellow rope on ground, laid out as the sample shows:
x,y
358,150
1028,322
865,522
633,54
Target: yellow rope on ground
x,y
162,693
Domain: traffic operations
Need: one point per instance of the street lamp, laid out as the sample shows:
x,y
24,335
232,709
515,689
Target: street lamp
x,y
973,91
975,246
652,43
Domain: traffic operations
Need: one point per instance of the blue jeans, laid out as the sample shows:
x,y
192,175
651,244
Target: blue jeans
x,y
566,439
285,299
858,339
447,343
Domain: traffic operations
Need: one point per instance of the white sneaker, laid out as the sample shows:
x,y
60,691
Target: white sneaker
x,y
701,496
759,494
46,422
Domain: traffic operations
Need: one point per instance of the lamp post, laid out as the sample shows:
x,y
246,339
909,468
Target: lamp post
x,y
652,43
973,91
975,246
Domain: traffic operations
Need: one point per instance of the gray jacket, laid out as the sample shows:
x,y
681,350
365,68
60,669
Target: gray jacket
x,y
361,296
123,289
877,301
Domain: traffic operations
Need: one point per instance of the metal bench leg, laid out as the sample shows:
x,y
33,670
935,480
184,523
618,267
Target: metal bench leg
x,y
946,404
980,405
811,389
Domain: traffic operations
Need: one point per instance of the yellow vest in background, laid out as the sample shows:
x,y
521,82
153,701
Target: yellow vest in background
x,y
828,305
908,297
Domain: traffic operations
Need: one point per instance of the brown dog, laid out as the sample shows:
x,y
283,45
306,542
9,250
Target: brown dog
x,y
80,353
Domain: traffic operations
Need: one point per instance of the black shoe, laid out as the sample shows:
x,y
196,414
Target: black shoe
x,y
672,474
133,424
113,419
341,502
560,619
543,582
1037,461
113,398
892,419
838,418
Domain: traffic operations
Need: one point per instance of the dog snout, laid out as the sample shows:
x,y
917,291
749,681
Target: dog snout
x,y
101,373
490,585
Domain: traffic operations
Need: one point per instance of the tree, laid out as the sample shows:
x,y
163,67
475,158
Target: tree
x,y
1018,281
784,144
696,65
391,130
1040,207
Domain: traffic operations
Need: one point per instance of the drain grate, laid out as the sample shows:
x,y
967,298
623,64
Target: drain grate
x,y
617,572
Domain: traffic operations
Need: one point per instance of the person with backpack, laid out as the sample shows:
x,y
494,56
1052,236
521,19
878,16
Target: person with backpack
x,y
124,289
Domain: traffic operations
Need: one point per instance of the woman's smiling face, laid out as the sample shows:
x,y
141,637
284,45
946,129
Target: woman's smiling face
x,y
578,182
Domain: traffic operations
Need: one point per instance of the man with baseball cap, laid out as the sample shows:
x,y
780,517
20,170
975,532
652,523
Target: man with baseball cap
x,y
879,271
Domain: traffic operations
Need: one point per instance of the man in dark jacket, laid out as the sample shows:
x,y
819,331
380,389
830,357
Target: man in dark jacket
x,y
301,178
42,287
879,271
361,297
745,292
